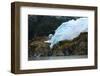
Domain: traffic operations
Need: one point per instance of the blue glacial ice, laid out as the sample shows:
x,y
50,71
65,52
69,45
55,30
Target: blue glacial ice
x,y
68,31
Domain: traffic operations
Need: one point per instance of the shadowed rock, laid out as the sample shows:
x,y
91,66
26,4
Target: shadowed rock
x,y
78,46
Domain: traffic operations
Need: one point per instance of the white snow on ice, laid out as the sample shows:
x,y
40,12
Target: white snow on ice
x,y
69,30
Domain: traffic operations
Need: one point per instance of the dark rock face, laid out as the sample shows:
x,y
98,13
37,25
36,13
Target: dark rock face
x,y
38,48
45,25
78,46
81,45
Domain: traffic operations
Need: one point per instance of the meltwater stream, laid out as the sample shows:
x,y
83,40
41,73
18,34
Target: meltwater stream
x,y
68,31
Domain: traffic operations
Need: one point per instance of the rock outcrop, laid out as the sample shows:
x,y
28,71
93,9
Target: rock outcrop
x,y
78,46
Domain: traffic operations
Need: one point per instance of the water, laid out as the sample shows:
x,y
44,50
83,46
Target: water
x,y
59,57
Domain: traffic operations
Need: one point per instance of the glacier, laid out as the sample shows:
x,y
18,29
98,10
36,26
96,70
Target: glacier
x,y
68,31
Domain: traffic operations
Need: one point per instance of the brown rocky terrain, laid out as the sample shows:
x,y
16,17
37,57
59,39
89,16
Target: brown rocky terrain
x,y
78,46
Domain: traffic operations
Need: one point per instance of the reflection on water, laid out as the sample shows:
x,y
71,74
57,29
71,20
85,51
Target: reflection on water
x,y
59,57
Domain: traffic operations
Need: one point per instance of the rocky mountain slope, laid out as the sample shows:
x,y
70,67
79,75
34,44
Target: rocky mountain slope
x,y
78,46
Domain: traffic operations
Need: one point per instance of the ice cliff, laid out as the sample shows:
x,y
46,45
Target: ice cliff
x,y
68,31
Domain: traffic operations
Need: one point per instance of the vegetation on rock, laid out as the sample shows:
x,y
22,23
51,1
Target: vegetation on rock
x,y
78,46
